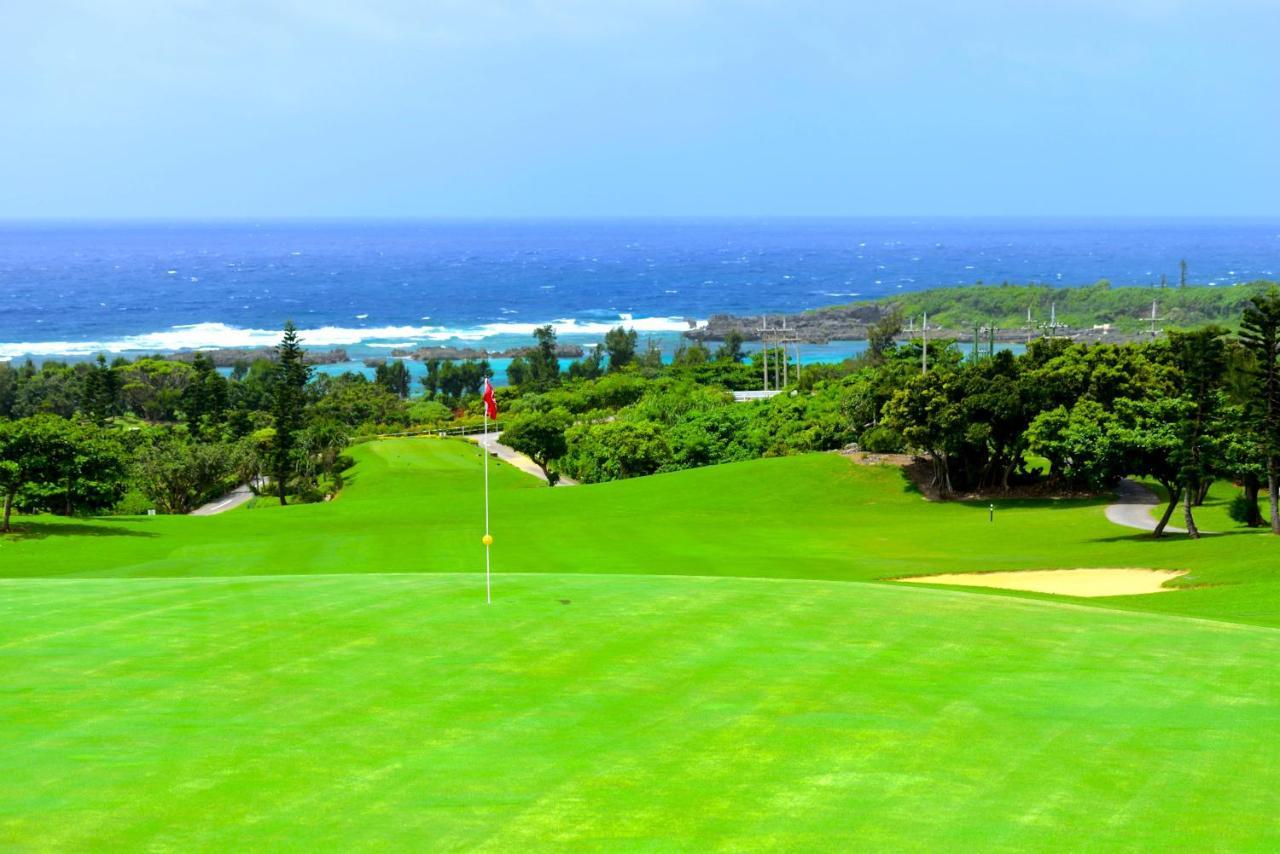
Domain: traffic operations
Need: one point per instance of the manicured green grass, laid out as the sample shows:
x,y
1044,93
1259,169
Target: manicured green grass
x,y
398,712
414,505
708,659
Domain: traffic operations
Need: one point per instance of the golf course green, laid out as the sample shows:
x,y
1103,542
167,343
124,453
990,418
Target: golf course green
x,y
714,658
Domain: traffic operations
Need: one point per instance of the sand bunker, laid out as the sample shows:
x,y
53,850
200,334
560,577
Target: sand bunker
x,y
1066,582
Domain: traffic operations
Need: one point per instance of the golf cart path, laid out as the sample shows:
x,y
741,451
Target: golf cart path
x,y
489,441
230,501
1132,508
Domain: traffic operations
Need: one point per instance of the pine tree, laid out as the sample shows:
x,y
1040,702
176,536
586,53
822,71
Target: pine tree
x,y
1260,333
288,393
101,387
543,360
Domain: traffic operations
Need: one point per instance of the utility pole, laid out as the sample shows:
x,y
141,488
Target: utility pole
x,y
1029,327
1053,325
785,361
764,348
1153,318
782,339
991,340
1182,273
924,350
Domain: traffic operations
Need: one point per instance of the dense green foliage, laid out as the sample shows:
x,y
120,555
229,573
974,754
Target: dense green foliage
x,y
1181,410
168,435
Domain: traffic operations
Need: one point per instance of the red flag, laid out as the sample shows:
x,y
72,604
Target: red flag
x,y
490,405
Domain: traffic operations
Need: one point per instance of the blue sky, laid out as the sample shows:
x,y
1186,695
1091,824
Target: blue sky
x,y
264,108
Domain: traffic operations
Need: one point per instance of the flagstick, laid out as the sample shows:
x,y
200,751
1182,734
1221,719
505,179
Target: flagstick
x,y
488,600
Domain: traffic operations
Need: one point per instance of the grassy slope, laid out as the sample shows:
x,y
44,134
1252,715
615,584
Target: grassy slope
x,y
414,506
237,710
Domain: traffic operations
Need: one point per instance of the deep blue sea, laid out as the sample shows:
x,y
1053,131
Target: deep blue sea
x,y
77,289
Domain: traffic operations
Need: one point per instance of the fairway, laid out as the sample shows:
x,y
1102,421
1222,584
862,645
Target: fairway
x,y
670,662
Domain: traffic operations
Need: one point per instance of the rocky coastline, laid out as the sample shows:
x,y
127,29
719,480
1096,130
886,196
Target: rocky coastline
x,y
229,357
852,323
422,354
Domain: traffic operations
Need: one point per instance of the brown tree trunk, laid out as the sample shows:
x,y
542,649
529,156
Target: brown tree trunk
x,y
1202,491
1273,495
1174,496
280,479
1253,516
8,509
1188,503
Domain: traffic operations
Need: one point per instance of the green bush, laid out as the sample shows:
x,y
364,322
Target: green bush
x,y
881,440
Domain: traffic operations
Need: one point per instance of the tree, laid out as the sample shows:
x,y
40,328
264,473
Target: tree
x,y
431,379
1145,435
544,361
691,355
1077,443
288,399
1182,273
394,377
1200,356
178,475
730,350
881,336
539,435
589,367
615,450
10,483
652,358
319,448
8,389
1260,334
50,463
621,346
1240,457
363,407
472,374
101,389
204,400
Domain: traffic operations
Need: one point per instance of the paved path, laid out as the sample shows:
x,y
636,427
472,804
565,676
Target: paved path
x,y
230,501
514,457
1132,508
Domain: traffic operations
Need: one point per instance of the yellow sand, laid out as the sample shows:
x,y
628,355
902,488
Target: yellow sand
x,y
1066,582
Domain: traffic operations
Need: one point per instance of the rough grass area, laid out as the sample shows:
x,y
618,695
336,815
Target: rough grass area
x,y
399,712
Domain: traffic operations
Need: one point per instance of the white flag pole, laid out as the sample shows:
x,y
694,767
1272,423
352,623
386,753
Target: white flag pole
x,y
487,539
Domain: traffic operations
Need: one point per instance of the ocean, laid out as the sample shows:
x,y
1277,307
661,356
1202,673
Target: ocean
x,y
76,289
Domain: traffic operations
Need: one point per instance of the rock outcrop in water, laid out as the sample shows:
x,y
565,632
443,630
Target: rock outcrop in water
x,y
228,357
422,354
840,323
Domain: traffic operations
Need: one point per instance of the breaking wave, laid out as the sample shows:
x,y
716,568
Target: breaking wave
x,y
212,336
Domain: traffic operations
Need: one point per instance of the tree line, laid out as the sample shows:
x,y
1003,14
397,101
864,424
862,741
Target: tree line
x,y
1182,410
